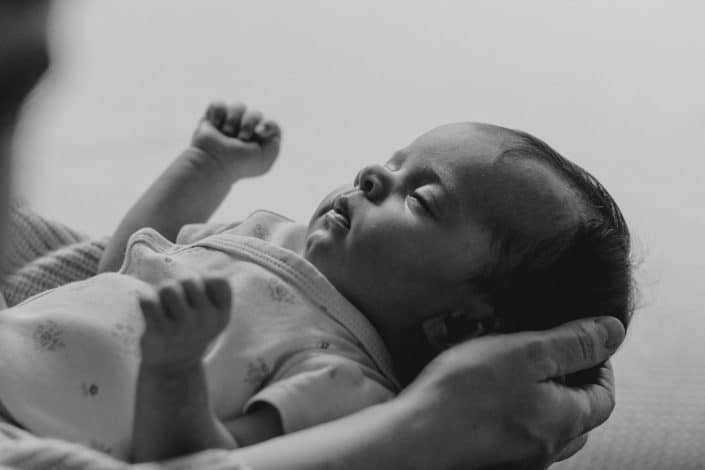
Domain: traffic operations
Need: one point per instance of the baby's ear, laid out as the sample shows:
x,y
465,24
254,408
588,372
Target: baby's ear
x,y
446,330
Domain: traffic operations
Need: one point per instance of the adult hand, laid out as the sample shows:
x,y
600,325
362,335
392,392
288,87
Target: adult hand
x,y
492,403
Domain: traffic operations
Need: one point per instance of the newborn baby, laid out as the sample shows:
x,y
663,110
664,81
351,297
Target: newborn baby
x,y
224,335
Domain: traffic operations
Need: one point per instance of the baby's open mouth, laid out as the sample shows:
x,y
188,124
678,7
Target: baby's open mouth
x,y
340,212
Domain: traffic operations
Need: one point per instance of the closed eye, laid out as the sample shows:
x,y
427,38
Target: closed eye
x,y
416,197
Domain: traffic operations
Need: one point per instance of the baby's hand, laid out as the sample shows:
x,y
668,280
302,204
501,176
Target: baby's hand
x,y
182,319
240,139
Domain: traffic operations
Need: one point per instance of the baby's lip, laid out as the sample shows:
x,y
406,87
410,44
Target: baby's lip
x,y
341,205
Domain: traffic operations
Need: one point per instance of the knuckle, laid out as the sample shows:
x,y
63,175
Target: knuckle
x,y
251,116
543,447
535,439
536,351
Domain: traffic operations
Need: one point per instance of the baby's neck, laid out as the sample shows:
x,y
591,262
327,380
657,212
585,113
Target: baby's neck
x,y
409,350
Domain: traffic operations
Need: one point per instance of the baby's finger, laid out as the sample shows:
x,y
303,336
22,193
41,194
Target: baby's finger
x,y
268,131
231,126
174,303
215,114
195,293
218,291
248,124
152,313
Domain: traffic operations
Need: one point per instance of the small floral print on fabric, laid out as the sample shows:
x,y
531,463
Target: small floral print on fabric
x,y
279,292
47,336
89,389
168,259
257,372
324,345
260,232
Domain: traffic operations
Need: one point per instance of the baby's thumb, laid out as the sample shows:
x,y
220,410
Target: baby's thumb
x,y
268,132
218,290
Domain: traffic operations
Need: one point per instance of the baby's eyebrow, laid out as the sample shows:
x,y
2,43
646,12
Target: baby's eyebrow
x,y
423,172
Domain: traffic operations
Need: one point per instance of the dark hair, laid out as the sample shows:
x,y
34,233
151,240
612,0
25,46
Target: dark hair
x,y
580,271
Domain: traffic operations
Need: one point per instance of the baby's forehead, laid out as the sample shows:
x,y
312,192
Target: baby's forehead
x,y
460,153
524,193
462,143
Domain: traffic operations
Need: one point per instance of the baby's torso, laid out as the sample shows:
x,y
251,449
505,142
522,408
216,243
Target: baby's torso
x,y
69,357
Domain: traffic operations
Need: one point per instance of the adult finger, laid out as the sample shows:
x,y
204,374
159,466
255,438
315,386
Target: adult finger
x,y
578,410
575,346
599,398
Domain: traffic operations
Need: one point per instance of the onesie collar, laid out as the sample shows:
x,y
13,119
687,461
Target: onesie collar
x,y
306,277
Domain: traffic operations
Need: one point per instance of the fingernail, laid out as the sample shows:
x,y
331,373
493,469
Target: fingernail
x,y
615,332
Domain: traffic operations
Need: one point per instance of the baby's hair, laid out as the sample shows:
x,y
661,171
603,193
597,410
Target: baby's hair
x,y
582,271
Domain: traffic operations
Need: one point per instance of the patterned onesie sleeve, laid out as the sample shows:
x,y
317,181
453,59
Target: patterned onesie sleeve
x,y
321,388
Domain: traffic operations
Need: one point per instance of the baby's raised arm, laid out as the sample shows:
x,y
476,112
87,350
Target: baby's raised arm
x,y
230,143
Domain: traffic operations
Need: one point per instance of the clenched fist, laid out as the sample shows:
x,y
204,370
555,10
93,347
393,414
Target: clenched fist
x,y
240,139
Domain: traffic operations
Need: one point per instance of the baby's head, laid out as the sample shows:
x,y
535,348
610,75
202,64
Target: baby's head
x,y
472,229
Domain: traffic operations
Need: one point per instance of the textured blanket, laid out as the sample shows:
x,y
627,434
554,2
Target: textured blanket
x,y
44,254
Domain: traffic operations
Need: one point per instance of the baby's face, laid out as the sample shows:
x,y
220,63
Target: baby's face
x,y
403,241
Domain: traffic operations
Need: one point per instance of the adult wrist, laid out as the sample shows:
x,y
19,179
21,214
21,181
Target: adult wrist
x,y
422,442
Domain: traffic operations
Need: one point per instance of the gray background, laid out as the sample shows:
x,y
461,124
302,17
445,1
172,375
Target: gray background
x,y
619,87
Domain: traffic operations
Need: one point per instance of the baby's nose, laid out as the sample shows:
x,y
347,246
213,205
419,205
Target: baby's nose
x,y
372,181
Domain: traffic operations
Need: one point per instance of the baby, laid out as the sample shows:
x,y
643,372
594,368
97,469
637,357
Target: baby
x,y
224,335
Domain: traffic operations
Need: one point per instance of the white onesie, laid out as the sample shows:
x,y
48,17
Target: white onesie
x,y
69,357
